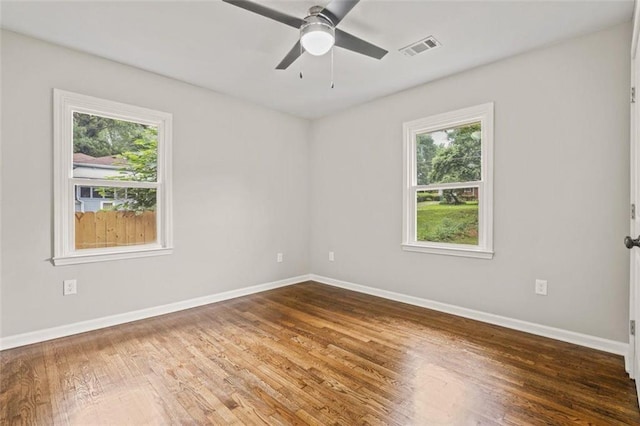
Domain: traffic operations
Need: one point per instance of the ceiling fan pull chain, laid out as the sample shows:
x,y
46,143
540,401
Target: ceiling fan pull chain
x,y
332,85
300,62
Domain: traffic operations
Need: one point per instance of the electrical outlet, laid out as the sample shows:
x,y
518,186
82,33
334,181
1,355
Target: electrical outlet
x,y
280,258
331,256
69,287
541,287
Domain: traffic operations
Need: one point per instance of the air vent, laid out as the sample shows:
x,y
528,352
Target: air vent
x,y
421,46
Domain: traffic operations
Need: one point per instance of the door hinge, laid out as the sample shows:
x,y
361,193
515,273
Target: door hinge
x,y
633,95
632,327
633,211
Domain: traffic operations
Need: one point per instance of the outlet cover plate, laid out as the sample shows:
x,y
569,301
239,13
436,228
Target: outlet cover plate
x,y
69,287
541,287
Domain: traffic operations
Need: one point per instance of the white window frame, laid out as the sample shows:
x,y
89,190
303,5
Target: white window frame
x,y
480,113
65,104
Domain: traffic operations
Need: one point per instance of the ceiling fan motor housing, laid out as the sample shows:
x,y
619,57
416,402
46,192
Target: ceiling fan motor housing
x,y
317,34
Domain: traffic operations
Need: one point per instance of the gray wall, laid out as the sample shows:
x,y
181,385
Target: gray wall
x,y
240,192
561,189
243,175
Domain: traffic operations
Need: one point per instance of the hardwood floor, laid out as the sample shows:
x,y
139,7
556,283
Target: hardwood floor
x,y
312,354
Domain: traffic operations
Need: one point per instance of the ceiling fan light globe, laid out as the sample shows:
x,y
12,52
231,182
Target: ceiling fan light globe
x,y
317,38
317,43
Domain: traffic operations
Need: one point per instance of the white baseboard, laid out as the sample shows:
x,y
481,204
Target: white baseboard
x,y
98,323
611,346
628,358
619,348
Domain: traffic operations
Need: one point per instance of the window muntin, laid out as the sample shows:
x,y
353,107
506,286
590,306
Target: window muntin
x,y
448,183
112,180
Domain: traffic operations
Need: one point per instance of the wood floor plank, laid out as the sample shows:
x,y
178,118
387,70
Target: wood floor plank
x,y
312,354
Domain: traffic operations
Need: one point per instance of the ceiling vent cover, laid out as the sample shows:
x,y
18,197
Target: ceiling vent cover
x,y
420,46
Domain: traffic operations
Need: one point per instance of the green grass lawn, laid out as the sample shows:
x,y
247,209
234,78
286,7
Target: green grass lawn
x,y
448,223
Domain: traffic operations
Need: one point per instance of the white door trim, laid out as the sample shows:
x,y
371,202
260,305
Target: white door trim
x,y
634,229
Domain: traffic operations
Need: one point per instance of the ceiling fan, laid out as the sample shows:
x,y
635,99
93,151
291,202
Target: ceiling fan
x,y
318,32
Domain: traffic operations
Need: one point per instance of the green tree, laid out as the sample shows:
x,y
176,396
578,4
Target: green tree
x,y
426,150
459,161
101,136
141,165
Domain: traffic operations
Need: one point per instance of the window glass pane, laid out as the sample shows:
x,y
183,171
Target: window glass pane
x,y
109,222
449,155
98,192
85,192
448,216
104,148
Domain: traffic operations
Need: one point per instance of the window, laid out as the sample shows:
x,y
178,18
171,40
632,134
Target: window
x,y
448,183
112,180
85,192
97,192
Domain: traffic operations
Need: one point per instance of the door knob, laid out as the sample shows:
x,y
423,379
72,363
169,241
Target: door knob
x,y
631,243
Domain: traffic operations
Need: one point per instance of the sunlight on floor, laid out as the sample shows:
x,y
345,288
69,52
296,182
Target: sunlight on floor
x,y
131,407
440,396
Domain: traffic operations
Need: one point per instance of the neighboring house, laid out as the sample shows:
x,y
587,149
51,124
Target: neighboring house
x,y
92,198
470,194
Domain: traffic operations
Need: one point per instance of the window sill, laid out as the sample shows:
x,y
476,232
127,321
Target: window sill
x,y
74,259
450,251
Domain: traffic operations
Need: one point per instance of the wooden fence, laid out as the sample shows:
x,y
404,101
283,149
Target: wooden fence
x,y
114,228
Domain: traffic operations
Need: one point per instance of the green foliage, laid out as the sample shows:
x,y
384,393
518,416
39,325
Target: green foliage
x,y
448,230
139,200
100,136
142,161
141,166
427,196
460,161
426,150
457,224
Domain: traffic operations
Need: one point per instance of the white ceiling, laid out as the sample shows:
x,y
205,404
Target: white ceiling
x,y
233,51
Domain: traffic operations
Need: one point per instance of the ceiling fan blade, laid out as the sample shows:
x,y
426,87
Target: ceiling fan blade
x,y
355,44
293,54
338,9
292,21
